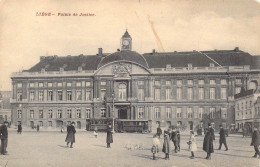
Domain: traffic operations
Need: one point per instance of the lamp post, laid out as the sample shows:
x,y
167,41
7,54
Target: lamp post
x,y
113,106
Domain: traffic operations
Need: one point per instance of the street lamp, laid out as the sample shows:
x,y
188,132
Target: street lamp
x,y
113,112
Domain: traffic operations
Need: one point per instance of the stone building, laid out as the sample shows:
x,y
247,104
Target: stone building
x,y
166,88
5,107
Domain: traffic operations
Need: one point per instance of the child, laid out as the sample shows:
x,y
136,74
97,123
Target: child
x,y
192,144
178,140
166,145
155,147
96,132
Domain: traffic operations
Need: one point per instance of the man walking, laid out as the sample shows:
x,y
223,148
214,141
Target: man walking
x,y
256,142
70,135
222,138
19,130
208,142
4,137
174,139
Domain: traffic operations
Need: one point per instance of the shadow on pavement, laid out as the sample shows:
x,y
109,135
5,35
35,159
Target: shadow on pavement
x,y
63,146
100,146
146,156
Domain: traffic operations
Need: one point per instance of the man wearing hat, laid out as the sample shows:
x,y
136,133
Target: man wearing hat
x,y
3,136
70,134
222,138
208,141
256,142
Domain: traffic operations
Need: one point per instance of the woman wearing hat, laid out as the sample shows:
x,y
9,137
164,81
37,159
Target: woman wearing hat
x,y
109,139
70,134
208,141
166,145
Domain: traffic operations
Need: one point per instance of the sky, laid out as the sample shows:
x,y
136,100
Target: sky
x,y
163,25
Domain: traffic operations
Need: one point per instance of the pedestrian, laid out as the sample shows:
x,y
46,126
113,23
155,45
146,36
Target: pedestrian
x,y
174,139
192,144
244,132
70,138
256,142
62,129
155,147
109,138
166,145
159,131
208,141
3,136
178,140
38,128
222,138
95,132
19,130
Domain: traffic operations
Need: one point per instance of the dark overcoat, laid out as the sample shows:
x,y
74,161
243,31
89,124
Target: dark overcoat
x,y
159,131
70,134
109,134
174,136
208,141
166,144
222,136
19,128
255,138
3,132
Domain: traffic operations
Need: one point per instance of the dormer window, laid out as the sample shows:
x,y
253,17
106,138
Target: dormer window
x,y
61,69
211,65
79,68
168,66
42,70
190,66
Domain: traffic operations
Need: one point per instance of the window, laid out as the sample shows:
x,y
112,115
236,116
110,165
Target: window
x,y
59,95
31,85
212,93
179,82
40,123
212,82
40,84
168,112
250,103
157,94
19,96
238,81
238,89
31,114
50,95
68,84
140,112
31,95
41,97
122,92
102,94
157,112
78,95
178,113
19,85
78,113
212,113
59,84
246,105
179,93
190,82
223,82
40,113
168,82
189,112
223,93
242,106
224,113
141,82
19,113
50,113
78,84
69,114
201,82
179,123
88,95
157,82
103,112
211,65
237,106
88,111
168,94
50,123
190,93
59,115
49,84
69,95
140,94
103,83
201,112
88,83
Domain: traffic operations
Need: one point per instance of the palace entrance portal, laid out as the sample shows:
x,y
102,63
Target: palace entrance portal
x,y
123,112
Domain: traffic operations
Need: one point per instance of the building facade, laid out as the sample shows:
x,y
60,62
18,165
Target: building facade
x,y
5,107
171,88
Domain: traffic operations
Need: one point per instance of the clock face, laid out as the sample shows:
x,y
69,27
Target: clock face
x,y
125,42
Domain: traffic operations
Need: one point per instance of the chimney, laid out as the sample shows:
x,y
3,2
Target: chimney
x,y
153,51
236,49
42,58
100,51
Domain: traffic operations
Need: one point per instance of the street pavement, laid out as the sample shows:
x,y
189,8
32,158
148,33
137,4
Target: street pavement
x,y
44,149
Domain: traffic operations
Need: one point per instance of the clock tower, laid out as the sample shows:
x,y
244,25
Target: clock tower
x,y
126,41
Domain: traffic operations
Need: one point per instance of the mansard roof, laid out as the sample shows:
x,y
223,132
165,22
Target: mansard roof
x,y
149,60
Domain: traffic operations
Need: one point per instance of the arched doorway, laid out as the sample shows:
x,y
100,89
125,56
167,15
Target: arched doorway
x,y
122,113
